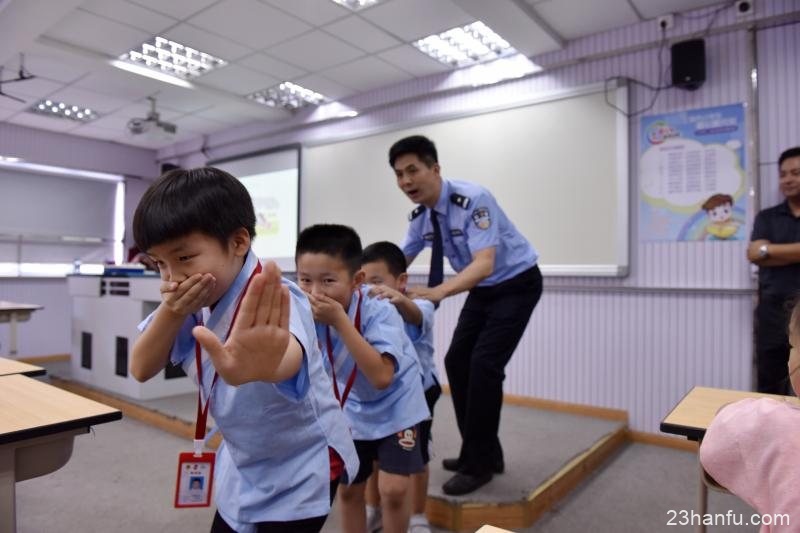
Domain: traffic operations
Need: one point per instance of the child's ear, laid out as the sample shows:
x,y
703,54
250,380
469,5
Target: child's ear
x,y
240,242
402,281
359,277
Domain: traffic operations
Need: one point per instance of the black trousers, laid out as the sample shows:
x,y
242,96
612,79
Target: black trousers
x,y
489,328
772,343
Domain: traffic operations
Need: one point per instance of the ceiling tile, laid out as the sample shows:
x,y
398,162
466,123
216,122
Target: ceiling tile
x,y
315,12
95,132
102,103
129,14
249,22
655,8
413,61
207,42
85,29
46,66
324,86
237,80
577,18
367,73
9,104
362,34
43,122
116,82
118,120
197,124
412,19
315,51
242,113
35,88
179,9
269,65
5,113
186,100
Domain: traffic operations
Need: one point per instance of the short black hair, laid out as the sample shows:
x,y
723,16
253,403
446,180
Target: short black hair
x,y
788,154
418,145
389,253
183,201
334,240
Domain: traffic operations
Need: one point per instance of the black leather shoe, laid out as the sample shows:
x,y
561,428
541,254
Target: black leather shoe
x,y
465,483
453,465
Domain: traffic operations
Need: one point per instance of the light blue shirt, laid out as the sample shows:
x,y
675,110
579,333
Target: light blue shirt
x,y
273,464
374,414
422,338
471,220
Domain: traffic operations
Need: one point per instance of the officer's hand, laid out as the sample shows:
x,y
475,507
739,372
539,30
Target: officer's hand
x,y
382,292
188,296
326,309
432,294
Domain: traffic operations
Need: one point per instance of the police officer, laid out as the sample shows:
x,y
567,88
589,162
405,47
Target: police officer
x,y
497,265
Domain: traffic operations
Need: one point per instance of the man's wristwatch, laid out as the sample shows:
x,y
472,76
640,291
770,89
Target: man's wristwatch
x,y
763,252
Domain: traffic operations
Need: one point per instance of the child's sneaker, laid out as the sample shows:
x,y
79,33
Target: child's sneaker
x,y
419,524
374,519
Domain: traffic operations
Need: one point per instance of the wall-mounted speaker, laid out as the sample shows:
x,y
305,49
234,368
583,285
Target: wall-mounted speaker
x,y
688,64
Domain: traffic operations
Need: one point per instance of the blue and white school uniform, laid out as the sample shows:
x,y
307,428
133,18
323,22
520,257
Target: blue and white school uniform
x,y
422,338
374,414
273,464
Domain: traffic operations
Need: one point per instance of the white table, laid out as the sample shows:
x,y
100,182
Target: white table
x,y
13,313
38,423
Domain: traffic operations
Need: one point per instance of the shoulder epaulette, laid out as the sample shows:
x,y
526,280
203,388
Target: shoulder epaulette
x,y
416,212
460,200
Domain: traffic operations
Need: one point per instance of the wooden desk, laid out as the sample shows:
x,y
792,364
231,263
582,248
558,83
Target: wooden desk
x,y
11,366
14,313
692,416
38,423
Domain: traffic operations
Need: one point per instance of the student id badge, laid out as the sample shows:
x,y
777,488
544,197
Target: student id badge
x,y
195,478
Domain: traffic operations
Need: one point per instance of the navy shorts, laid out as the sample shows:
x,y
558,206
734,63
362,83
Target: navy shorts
x,y
399,453
432,394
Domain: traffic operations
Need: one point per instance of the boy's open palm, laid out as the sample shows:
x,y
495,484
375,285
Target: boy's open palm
x,y
260,335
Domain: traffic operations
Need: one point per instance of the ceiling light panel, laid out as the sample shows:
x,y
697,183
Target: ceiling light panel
x,y
356,5
53,108
287,95
465,45
173,59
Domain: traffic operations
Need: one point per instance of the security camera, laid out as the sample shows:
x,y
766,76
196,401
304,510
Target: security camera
x,y
743,7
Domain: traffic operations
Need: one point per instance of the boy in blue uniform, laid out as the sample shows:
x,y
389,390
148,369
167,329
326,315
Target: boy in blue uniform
x,y
384,267
497,265
285,441
376,376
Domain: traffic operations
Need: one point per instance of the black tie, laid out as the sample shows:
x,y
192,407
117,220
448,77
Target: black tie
x,y
436,274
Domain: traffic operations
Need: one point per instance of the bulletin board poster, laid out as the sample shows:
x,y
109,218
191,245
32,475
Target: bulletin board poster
x,y
692,182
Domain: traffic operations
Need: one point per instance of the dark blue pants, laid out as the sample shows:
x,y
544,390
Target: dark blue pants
x,y
489,328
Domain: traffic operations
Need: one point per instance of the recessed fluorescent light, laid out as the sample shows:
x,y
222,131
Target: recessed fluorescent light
x,y
61,171
288,95
465,45
54,108
144,71
10,159
355,5
172,59
505,68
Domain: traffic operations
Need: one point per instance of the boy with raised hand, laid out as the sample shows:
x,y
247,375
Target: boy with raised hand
x,y
285,441
384,267
376,376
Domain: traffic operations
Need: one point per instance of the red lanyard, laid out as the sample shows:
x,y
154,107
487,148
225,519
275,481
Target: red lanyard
x,y
202,411
352,378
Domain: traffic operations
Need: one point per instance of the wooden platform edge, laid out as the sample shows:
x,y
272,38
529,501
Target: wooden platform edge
x,y
523,513
40,359
165,422
664,441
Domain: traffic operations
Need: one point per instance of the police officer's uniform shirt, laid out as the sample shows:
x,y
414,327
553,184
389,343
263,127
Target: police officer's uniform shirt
x,y
422,338
471,220
374,414
273,464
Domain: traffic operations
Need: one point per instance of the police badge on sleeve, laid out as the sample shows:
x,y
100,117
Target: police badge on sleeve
x,y
481,218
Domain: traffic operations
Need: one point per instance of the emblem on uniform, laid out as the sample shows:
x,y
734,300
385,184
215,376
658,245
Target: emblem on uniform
x,y
407,439
481,218
428,236
416,212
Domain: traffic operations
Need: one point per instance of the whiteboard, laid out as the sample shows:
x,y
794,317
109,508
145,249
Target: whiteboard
x,y
558,167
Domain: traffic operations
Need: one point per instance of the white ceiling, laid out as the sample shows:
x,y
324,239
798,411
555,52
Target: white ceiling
x,y
316,43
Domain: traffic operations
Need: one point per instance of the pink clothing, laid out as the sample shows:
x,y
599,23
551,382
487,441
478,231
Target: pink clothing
x,y
752,448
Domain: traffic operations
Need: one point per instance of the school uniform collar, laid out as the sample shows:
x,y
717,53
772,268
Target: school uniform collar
x,y
230,298
443,202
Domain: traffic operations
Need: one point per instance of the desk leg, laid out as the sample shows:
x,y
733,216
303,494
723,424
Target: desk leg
x,y
8,519
702,497
12,334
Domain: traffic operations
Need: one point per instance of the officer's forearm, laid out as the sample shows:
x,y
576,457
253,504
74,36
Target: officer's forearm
x,y
479,269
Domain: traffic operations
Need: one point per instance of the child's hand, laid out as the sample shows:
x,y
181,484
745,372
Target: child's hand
x,y
260,336
326,309
188,296
432,294
385,292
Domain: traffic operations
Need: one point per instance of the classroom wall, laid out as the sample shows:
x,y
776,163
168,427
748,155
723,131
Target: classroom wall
x,y
48,331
